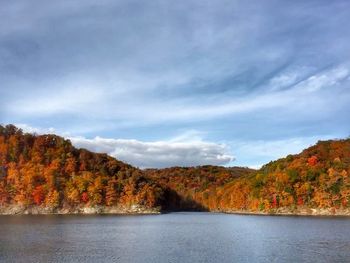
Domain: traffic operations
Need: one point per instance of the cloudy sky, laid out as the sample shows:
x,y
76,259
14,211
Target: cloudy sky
x,y
164,83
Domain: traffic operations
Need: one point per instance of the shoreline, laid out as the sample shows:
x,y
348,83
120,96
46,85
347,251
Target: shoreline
x,y
306,211
96,210
141,210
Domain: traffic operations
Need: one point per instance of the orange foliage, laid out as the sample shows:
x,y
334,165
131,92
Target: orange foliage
x,y
312,161
47,170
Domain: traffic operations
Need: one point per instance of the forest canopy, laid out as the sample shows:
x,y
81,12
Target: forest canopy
x,y
47,171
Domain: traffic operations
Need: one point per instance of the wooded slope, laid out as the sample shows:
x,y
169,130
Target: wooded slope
x,y
47,171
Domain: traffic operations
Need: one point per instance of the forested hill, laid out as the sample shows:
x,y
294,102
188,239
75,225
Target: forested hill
x,y
47,174
47,171
195,188
317,178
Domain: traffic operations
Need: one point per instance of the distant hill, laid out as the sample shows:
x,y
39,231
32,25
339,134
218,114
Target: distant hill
x,y
46,174
195,188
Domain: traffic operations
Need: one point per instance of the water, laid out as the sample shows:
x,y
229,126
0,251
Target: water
x,y
174,237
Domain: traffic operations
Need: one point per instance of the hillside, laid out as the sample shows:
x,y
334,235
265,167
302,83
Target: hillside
x,y
46,174
314,181
195,188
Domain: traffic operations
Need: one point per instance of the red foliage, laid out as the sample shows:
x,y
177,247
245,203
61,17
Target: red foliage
x,y
274,201
344,202
300,201
312,161
4,196
85,197
38,195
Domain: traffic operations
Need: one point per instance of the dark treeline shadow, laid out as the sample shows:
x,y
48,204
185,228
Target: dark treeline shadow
x,y
175,202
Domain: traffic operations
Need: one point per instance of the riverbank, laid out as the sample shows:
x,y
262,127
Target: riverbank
x,y
301,211
138,209
39,210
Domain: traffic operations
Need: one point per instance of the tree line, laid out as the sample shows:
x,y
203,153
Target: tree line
x,y
47,171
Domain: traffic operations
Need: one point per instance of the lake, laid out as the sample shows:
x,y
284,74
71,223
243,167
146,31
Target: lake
x,y
174,237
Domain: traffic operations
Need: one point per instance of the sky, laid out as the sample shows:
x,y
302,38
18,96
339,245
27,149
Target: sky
x,y
178,83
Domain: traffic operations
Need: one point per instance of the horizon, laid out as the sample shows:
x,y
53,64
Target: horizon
x,y
184,84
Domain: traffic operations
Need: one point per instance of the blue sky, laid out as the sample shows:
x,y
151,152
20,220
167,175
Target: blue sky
x,y
159,83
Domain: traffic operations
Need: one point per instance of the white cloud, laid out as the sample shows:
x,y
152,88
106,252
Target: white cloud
x,y
324,79
159,153
30,129
302,79
283,80
255,166
216,106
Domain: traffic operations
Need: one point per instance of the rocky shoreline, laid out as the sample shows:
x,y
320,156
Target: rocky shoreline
x,y
83,210
138,209
302,211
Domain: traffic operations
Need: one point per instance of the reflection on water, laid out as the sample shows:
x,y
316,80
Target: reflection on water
x,y
174,237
